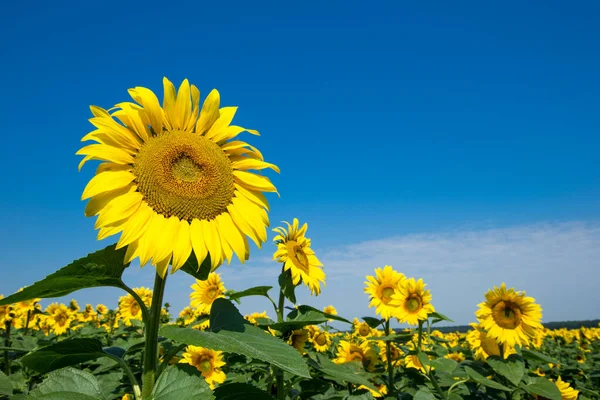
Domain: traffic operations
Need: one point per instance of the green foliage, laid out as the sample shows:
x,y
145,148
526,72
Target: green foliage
x,y
512,368
255,291
68,384
241,391
181,382
63,354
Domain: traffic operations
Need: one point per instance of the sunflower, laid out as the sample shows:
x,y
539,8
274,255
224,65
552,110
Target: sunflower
x,y
129,309
252,317
187,315
298,339
88,314
380,289
456,356
207,361
483,345
566,391
206,292
396,354
362,330
412,361
330,310
6,314
412,302
348,352
101,309
509,316
320,339
173,180
381,390
293,250
59,318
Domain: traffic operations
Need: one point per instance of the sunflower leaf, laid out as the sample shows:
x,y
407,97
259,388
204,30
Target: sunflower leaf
x,y
68,384
305,309
181,382
373,322
251,342
341,373
101,268
543,387
477,377
536,356
287,286
195,269
241,391
6,387
254,291
512,368
63,354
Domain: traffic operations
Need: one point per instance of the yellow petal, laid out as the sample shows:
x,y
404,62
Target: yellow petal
x,y
226,115
131,252
156,224
229,148
213,243
249,163
106,181
131,116
169,99
183,106
254,182
240,221
117,132
195,109
198,241
165,238
254,196
253,214
98,202
182,247
109,231
232,235
108,153
119,208
162,266
152,109
209,113
136,225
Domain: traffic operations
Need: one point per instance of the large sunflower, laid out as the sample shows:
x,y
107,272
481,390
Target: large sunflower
x,y
173,180
412,302
293,250
380,289
509,316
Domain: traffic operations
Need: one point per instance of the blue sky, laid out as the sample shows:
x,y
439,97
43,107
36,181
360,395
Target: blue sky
x,y
448,121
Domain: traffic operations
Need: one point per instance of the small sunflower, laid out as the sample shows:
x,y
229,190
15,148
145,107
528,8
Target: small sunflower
x,y
456,356
173,179
88,314
298,339
566,391
252,317
187,315
380,289
59,318
7,313
362,330
412,361
348,352
101,309
129,309
330,310
206,292
207,361
412,302
293,250
509,316
320,339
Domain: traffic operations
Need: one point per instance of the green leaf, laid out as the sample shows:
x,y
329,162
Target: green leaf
x,y
63,354
437,317
307,309
543,387
192,268
444,364
287,286
536,356
224,315
485,381
342,373
254,291
512,368
373,322
181,382
424,394
102,268
6,387
241,391
68,384
252,342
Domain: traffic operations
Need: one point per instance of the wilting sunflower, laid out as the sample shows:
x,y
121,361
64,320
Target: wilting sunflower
x,y
207,361
293,250
348,352
59,318
206,292
566,391
173,179
380,289
412,302
509,316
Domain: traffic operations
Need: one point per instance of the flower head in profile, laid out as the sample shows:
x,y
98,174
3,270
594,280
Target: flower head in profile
x,y
294,251
174,178
207,361
509,316
566,391
412,302
484,346
206,292
380,289
129,309
362,352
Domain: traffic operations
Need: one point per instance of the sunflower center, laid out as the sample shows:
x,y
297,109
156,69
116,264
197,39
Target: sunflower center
x,y
298,256
134,309
205,366
355,355
413,304
321,339
184,175
212,293
364,330
386,294
507,314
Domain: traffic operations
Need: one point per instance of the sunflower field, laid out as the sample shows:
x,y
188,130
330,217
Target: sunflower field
x,y
185,195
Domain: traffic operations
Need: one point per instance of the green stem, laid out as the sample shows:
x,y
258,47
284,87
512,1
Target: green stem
x,y
7,344
390,365
151,347
455,385
134,383
27,322
435,383
17,349
272,302
279,371
168,356
420,338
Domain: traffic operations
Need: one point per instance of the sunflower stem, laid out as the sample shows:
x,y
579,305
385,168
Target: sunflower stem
x,y
151,347
138,299
137,393
420,338
388,353
279,371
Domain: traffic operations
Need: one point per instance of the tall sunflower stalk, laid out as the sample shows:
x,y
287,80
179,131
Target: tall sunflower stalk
x,y
173,179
